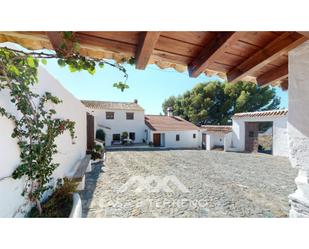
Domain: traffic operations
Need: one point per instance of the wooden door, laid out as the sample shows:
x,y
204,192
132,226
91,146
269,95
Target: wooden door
x,y
157,139
90,131
251,136
203,141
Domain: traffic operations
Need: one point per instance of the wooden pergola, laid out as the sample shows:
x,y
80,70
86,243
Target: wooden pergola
x,y
256,56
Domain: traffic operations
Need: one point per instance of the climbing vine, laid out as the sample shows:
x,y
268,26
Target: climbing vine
x,y
36,126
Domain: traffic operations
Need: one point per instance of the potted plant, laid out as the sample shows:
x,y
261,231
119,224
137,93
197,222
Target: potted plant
x,y
124,137
97,153
64,202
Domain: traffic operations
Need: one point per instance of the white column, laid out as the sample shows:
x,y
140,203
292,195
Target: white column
x,y
298,127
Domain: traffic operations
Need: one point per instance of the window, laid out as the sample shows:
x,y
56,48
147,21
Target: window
x,y
177,137
109,115
194,135
132,135
130,115
116,137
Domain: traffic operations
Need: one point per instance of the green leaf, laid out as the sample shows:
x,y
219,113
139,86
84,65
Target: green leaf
x,y
91,71
72,69
61,62
30,61
101,64
14,69
120,85
44,61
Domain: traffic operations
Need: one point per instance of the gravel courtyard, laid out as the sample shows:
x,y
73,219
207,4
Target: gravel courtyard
x,y
188,183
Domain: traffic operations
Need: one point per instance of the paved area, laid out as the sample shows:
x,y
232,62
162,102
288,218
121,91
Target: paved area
x,y
188,183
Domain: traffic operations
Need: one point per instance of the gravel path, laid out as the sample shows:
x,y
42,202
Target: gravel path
x,y
188,183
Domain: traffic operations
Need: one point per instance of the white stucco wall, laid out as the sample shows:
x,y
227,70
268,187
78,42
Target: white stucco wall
x,y
120,124
186,139
68,155
238,134
298,127
280,136
214,139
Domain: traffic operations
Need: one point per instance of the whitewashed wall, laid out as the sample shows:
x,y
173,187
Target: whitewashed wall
x,y
214,139
280,136
186,139
120,124
228,140
68,155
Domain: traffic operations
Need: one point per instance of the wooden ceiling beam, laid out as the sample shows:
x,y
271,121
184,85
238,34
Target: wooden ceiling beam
x,y
276,48
145,48
211,51
273,75
102,44
61,46
304,33
284,84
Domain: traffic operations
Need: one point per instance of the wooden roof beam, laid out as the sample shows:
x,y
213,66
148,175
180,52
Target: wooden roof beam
x,y
304,33
274,75
278,47
211,51
145,47
284,84
58,43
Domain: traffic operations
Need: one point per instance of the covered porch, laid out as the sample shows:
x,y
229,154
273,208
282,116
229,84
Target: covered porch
x,y
276,58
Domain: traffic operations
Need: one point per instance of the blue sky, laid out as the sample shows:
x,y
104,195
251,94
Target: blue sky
x,y
150,86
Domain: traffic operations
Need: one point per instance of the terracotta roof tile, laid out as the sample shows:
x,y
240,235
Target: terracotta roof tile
x,y
168,123
217,128
272,113
110,105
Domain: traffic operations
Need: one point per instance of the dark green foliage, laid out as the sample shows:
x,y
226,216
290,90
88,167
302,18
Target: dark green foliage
x,y
216,102
124,135
59,204
100,134
98,148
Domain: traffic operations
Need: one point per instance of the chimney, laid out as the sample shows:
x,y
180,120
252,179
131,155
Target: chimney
x,y
169,111
135,101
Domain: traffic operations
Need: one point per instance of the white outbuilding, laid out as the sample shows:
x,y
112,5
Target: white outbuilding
x,y
171,132
256,131
216,136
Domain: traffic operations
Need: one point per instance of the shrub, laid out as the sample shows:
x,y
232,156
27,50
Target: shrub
x,y
98,148
59,204
124,135
100,134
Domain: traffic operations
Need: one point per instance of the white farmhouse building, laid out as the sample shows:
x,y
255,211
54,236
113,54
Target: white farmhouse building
x,y
246,130
171,132
216,136
118,117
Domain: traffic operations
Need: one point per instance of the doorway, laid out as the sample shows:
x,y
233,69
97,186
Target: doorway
x,y
259,137
204,141
157,139
90,131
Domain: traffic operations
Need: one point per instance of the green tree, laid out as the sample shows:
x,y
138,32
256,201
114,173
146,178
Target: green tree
x,y
216,102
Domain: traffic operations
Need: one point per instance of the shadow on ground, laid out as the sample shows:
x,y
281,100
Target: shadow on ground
x,y
90,186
